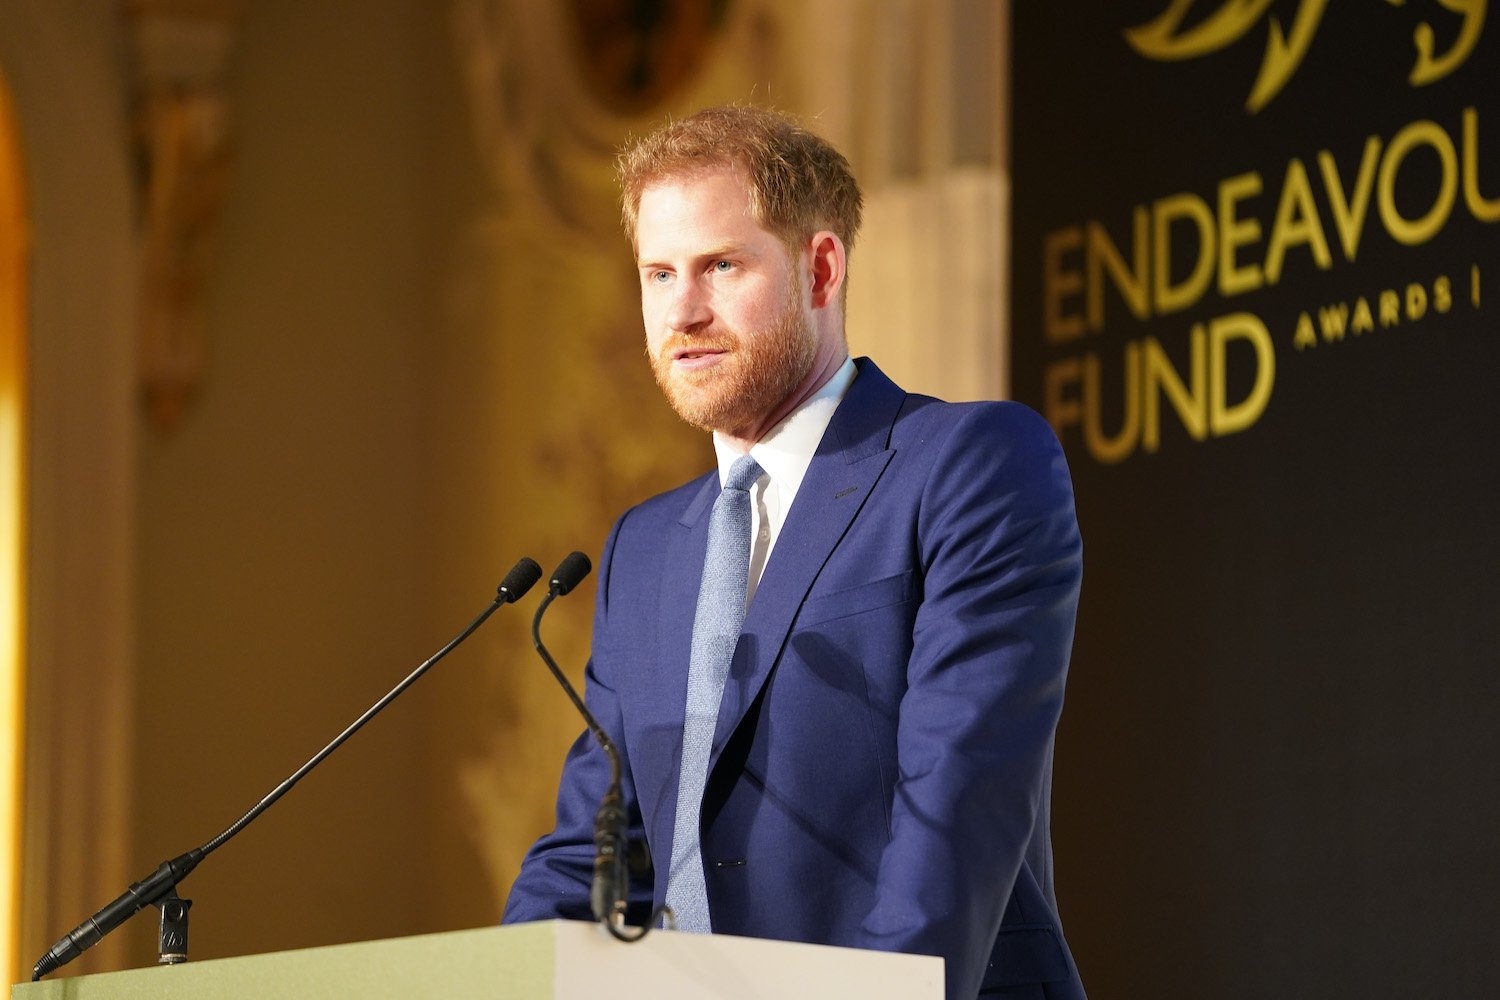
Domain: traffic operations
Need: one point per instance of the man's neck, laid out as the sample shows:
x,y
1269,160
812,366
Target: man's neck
x,y
825,365
728,447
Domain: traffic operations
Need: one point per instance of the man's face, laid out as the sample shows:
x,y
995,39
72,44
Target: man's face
x,y
727,328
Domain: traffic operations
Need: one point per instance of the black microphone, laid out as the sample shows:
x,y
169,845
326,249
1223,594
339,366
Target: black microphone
x,y
569,573
161,885
521,578
611,883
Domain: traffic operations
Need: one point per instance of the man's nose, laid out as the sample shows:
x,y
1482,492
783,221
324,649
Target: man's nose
x,y
688,310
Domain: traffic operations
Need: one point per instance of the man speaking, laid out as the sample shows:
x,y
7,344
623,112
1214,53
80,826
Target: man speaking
x,y
834,667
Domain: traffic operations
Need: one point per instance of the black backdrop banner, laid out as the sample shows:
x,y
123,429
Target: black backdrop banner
x,y
1256,285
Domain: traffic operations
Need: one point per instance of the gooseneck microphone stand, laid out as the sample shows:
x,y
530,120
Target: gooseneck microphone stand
x,y
610,890
159,889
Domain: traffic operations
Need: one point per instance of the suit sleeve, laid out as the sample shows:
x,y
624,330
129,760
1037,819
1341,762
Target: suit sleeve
x,y
557,872
1001,558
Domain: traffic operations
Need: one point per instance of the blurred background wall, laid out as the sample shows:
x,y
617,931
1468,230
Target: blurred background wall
x,y
329,322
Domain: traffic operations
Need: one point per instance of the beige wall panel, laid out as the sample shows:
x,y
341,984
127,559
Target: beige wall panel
x,y
280,569
59,59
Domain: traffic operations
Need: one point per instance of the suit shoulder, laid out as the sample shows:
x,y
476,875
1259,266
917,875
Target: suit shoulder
x,y
999,425
999,460
635,540
663,508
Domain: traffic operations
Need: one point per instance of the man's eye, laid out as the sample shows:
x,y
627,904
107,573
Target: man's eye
x,y
660,277
722,265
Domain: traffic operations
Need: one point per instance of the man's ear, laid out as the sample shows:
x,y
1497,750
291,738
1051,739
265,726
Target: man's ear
x,y
828,259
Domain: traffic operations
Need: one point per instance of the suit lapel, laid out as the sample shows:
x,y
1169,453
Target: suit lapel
x,y
843,473
682,574
665,695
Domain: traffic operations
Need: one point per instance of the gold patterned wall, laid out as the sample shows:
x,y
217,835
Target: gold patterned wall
x,y
563,389
549,273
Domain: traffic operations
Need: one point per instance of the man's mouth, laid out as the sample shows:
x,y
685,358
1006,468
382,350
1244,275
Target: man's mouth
x,y
697,356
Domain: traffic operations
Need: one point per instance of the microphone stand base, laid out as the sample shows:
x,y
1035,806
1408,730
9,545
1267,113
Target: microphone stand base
x,y
172,942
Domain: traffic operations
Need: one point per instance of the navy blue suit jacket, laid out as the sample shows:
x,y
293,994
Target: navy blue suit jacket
x,y
881,769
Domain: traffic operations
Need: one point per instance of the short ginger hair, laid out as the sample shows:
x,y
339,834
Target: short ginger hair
x,y
799,184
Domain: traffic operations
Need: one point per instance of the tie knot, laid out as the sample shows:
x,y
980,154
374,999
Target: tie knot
x,y
742,473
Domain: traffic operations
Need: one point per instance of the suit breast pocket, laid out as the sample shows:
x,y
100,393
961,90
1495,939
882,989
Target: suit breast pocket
x,y
883,593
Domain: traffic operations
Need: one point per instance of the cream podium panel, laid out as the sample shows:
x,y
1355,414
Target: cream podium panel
x,y
556,959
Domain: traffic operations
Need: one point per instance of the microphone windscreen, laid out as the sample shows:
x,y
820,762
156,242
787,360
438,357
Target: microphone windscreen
x,y
570,572
520,579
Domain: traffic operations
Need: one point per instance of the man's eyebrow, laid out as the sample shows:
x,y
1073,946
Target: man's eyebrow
x,y
725,250
730,249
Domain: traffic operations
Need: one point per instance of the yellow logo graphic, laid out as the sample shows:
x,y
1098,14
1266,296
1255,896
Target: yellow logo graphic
x,y
1164,39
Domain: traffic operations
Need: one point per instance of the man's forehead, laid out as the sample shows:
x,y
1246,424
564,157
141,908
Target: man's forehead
x,y
713,204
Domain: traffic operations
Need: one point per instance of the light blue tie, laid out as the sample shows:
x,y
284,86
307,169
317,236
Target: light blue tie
x,y
716,631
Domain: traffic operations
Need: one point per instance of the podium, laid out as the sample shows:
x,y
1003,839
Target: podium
x,y
558,959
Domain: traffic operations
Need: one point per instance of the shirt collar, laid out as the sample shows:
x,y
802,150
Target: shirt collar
x,y
787,449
